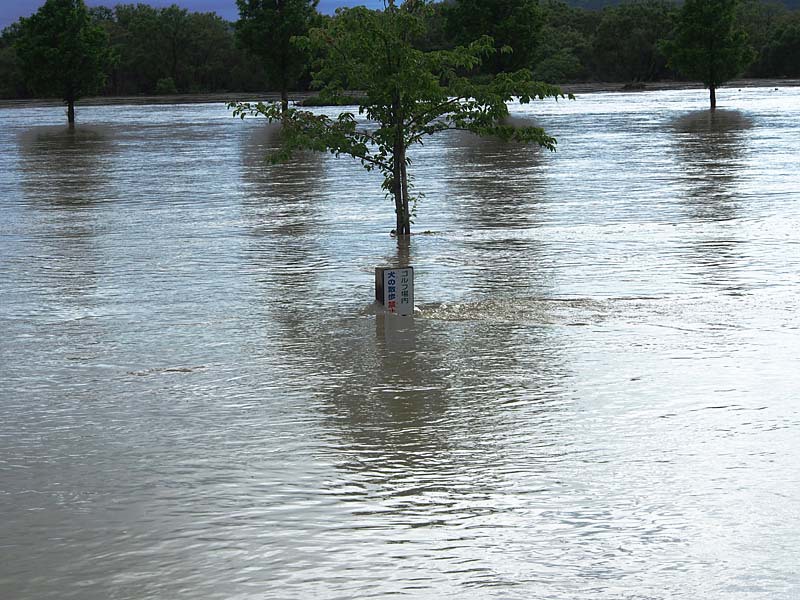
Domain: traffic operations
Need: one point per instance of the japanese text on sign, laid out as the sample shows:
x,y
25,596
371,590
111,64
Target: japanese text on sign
x,y
399,290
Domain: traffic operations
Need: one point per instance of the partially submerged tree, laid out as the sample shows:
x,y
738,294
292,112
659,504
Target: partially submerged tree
x,y
706,44
409,94
266,28
63,53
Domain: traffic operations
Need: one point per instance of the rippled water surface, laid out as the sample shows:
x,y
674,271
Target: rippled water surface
x,y
597,400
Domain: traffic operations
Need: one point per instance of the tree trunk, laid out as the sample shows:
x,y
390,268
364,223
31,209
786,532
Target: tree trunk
x,y
400,191
174,66
712,92
71,113
284,99
404,189
397,192
399,176
284,83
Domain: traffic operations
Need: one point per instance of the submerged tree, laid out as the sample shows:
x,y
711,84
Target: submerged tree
x,y
409,94
707,45
63,53
266,28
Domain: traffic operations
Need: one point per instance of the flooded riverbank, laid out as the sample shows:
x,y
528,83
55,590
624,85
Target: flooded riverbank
x,y
598,399
223,97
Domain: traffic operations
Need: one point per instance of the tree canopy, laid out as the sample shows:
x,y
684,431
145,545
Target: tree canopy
x,y
63,53
409,94
171,48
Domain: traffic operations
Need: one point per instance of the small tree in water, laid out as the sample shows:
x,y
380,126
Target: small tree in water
x,y
707,45
408,94
63,53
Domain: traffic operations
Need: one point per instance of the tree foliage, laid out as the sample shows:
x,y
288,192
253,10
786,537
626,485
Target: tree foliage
x,y
63,53
513,25
626,41
12,79
195,50
564,52
782,52
409,94
759,20
707,45
266,28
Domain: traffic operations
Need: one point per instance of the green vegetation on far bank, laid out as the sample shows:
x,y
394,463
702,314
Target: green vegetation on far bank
x,y
172,50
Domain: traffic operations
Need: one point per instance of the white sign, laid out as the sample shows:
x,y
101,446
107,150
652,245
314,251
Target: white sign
x,y
398,290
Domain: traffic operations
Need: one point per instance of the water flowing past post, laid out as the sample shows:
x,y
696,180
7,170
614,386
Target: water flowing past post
x,y
394,289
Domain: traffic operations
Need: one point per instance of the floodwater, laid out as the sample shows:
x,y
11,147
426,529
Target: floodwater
x,y
597,400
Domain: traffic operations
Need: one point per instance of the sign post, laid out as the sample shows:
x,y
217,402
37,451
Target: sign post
x,y
394,289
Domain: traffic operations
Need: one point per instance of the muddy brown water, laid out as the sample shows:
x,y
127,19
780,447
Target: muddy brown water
x,y
598,398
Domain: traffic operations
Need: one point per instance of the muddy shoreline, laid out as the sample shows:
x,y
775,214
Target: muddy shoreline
x,y
571,88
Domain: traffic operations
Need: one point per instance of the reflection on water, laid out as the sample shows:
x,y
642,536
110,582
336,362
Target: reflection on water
x,y
388,404
496,192
712,151
66,167
497,184
64,178
595,399
283,251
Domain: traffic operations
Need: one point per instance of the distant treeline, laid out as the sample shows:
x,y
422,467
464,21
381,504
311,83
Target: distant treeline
x,y
172,50
156,50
